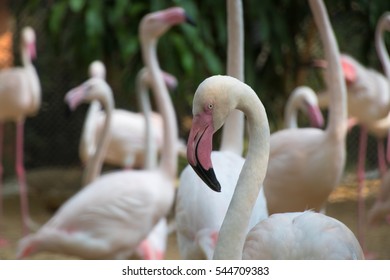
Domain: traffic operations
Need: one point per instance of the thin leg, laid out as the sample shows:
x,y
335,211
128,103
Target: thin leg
x,y
3,242
361,178
381,158
20,171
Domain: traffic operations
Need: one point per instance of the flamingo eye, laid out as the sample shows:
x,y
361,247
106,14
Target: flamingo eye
x,y
210,106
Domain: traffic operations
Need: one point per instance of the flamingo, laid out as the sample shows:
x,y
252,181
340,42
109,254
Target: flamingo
x,y
306,164
303,98
369,105
113,214
154,246
20,96
126,140
299,235
126,146
199,212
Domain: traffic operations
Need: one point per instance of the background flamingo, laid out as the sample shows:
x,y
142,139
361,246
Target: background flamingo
x,y
306,164
20,96
369,106
122,207
305,99
126,146
306,235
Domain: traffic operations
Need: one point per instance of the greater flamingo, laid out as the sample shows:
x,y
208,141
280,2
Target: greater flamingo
x,y
126,140
306,164
20,96
112,215
126,146
305,235
199,212
305,99
369,106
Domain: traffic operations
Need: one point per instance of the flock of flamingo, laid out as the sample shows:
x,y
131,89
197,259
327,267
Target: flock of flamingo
x,y
269,204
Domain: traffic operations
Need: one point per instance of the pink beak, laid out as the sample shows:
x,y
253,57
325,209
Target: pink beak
x,y
349,71
315,116
32,51
199,149
75,97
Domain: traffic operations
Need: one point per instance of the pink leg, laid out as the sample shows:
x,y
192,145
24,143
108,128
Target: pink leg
x,y
20,171
361,178
3,242
381,158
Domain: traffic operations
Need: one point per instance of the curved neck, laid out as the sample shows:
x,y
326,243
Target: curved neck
x,y
144,103
233,231
290,113
95,163
337,122
233,130
87,143
381,47
168,161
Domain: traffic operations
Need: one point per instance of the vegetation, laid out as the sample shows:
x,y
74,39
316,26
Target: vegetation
x,y
280,43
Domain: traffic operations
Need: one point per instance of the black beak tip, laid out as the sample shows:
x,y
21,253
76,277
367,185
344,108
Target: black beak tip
x,y
190,20
208,176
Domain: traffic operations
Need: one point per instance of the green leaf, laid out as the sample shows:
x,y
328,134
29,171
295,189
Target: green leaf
x,y
56,16
76,5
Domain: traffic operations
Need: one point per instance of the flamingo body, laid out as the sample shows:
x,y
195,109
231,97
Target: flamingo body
x,y
107,219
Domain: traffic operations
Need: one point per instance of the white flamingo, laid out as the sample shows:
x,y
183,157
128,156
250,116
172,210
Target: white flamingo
x,y
305,99
20,96
112,215
126,140
369,106
305,235
126,146
199,211
306,164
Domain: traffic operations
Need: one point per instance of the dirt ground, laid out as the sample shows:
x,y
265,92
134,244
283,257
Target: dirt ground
x,y
342,205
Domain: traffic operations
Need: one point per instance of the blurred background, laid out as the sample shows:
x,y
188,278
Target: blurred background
x,y
281,42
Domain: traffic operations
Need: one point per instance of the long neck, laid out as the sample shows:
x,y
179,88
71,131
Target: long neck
x,y
381,47
233,130
233,231
337,123
144,103
26,59
290,113
87,143
168,160
95,163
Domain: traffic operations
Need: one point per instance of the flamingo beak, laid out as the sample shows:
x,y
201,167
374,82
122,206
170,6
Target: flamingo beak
x,y
199,149
32,51
75,97
315,116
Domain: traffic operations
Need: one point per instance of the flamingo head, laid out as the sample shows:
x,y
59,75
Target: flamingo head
x,y
144,78
155,24
92,89
349,70
97,69
28,41
309,104
211,107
